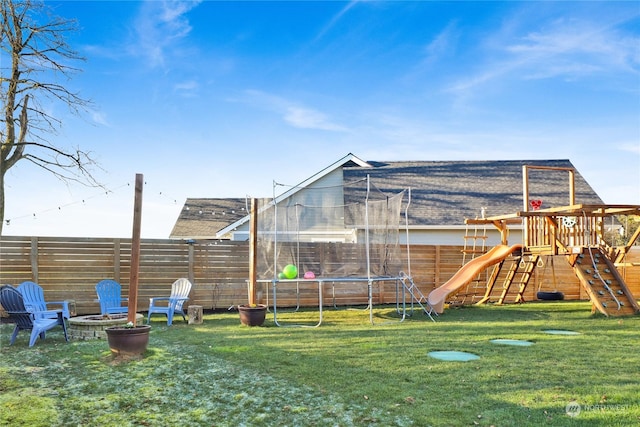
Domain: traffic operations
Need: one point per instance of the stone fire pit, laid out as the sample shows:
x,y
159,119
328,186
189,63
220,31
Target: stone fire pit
x,y
92,327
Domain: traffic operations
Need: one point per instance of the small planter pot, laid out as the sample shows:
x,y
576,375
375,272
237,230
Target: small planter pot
x,y
128,341
252,316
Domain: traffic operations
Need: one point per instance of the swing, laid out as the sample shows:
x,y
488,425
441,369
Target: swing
x,y
554,295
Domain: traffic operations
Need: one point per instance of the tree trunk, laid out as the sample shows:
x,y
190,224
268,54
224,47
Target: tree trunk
x,y
1,196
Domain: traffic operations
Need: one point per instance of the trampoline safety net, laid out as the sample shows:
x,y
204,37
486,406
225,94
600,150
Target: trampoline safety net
x,y
347,230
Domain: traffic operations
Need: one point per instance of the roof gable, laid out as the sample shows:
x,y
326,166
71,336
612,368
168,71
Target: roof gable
x,y
349,160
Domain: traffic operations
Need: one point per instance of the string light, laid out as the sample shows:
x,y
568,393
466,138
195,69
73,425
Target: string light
x,y
161,194
106,193
214,213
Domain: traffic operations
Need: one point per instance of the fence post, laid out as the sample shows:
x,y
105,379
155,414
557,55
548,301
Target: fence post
x,y
34,259
116,260
191,261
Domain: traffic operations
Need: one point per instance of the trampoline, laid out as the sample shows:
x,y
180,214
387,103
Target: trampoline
x,y
345,234
320,282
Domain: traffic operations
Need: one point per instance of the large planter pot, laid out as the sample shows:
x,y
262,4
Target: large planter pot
x,y
252,316
128,341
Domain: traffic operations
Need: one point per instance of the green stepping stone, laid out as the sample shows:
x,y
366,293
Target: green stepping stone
x,y
454,356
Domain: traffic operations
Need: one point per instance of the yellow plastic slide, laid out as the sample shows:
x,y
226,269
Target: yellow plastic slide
x,y
467,272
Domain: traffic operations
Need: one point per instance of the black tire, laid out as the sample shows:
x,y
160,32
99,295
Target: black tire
x,y
550,296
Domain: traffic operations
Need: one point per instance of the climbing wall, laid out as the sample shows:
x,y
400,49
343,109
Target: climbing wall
x,y
602,282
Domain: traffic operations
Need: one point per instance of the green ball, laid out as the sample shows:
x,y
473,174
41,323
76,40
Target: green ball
x,y
281,276
290,271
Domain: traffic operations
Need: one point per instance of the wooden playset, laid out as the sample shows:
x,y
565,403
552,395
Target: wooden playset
x,y
575,231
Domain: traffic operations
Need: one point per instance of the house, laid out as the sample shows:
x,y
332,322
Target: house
x,y
442,195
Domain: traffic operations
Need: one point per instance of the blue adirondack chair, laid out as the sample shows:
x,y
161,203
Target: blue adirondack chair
x,y
110,297
13,303
33,296
172,304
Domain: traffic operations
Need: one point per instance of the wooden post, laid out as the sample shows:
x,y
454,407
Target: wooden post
x,y
34,260
525,188
436,272
572,186
116,260
135,250
195,314
253,241
191,255
525,207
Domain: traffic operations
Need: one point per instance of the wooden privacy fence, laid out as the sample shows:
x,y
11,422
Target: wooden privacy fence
x,y
69,268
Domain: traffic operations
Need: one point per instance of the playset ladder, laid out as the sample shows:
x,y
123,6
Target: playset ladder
x,y
520,272
477,289
474,238
491,283
478,246
417,295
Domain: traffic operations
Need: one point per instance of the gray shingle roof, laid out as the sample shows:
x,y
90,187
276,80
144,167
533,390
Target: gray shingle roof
x,y
443,193
203,217
448,192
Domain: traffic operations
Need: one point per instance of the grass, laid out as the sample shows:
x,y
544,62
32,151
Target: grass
x,y
344,373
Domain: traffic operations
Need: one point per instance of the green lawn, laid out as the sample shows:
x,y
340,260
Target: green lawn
x,y
344,373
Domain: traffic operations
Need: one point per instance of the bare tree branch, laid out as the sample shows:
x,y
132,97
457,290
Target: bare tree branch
x,y
35,59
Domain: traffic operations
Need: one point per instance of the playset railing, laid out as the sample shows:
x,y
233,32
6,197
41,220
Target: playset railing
x,y
557,235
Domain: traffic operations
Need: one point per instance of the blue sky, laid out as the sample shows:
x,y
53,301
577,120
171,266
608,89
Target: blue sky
x,y
219,99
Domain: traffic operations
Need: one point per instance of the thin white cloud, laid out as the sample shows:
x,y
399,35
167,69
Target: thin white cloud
x,y
334,20
305,118
159,26
293,113
576,48
187,88
567,48
99,118
631,147
187,85
443,44
439,49
487,74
